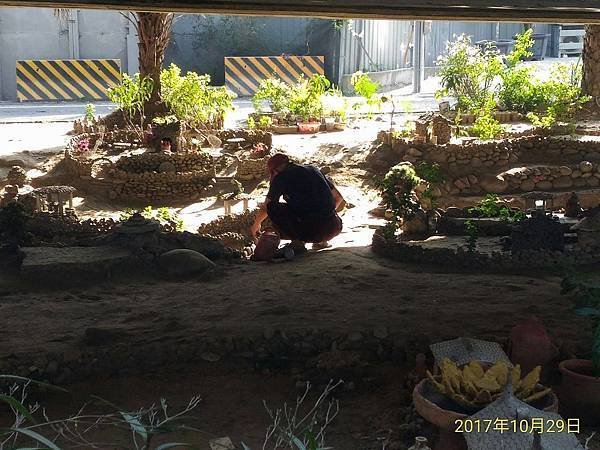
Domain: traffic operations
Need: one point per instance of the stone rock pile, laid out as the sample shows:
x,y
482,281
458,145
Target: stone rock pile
x,y
16,176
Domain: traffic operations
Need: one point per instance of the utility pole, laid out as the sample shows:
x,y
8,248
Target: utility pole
x,y
418,56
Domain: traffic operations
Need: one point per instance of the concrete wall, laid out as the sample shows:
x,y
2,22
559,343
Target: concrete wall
x,y
36,33
200,42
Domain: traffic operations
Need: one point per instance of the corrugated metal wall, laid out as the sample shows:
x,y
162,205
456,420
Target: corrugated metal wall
x,y
373,45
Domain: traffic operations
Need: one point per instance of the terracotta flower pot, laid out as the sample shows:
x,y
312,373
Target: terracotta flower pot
x,y
309,127
441,411
580,391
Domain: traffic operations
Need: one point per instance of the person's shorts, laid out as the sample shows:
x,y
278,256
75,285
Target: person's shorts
x,y
289,226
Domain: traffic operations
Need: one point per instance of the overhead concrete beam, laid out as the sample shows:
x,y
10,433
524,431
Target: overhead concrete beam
x,y
550,11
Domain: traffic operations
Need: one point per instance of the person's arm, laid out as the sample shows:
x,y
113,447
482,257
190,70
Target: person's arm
x,y
261,215
340,203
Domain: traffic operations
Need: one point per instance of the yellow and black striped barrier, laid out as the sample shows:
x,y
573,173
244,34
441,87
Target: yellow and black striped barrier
x,y
66,79
243,74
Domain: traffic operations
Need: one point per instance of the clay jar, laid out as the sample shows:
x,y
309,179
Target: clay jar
x,y
580,391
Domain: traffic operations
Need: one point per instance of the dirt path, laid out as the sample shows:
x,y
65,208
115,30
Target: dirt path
x,y
342,290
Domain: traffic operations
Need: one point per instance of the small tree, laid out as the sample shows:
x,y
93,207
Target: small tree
x,y
591,61
154,32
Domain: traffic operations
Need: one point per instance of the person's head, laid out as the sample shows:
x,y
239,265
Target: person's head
x,y
277,164
165,144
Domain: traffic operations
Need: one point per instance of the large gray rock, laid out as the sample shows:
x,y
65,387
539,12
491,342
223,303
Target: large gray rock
x,y
184,262
494,184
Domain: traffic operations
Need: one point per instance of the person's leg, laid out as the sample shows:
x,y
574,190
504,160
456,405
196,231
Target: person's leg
x,y
283,220
319,232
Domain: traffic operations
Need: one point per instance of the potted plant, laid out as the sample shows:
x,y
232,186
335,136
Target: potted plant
x,y
306,105
580,389
334,109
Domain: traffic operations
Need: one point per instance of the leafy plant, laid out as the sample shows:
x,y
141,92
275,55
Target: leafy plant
x,y
586,290
132,94
492,206
251,123
90,112
468,73
192,100
334,104
366,88
472,235
405,132
486,126
520,90
265,122
32,424
276,92
562,96
396,190
305,102
169,220
165,120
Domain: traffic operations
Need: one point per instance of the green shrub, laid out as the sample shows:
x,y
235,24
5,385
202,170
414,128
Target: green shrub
x,y
367,89
492,206
472,235
305,99
276,92
90,112
562,96
468,73
396,190
132,94
265,122
334,104
169,220
193,100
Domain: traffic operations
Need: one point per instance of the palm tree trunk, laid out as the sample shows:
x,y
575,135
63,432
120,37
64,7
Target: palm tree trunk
x,y
591,61
154,32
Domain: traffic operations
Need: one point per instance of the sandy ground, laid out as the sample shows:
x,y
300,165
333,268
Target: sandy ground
x,y
340,290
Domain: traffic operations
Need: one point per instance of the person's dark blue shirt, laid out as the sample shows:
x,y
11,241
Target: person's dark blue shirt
x,y
305,189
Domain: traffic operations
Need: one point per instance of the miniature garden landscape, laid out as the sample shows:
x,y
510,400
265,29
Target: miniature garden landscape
x,y
464,285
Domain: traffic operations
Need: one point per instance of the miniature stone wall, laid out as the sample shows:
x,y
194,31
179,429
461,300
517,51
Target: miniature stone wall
x,y
510,166
251,137
252,169
496,262
102,353
159,176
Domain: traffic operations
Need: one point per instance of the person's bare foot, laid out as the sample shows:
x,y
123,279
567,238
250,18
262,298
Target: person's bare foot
x,y
321,245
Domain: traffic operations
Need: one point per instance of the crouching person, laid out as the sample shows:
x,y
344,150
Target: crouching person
x,y
309,213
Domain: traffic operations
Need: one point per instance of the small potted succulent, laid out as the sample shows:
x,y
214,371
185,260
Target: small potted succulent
x,y
580,389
